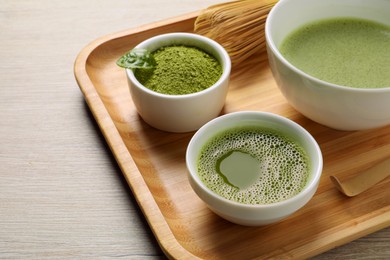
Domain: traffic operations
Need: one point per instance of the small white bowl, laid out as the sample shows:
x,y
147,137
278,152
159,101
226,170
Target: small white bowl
x,y
181,113
251,214
335,106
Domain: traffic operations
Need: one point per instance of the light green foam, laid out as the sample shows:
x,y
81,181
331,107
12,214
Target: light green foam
x,y
253,165
344,51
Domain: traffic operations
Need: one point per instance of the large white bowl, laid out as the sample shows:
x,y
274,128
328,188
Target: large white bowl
x,y
339,107
181,113
250,214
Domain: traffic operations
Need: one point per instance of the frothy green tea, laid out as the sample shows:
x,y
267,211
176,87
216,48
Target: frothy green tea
x,y
253,165
344,51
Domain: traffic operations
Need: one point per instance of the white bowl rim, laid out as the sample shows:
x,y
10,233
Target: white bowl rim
x,y
275,50
225,73
308,187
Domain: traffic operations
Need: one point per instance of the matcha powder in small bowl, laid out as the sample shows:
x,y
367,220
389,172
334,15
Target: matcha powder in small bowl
x,y
180,70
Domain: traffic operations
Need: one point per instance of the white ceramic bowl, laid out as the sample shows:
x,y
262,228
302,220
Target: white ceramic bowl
x,y
250,214
339,107
181,113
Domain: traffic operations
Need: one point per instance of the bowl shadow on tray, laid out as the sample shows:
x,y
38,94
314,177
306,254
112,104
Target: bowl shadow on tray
x,y
206,227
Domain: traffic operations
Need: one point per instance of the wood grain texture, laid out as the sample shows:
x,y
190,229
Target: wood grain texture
x,y
62,194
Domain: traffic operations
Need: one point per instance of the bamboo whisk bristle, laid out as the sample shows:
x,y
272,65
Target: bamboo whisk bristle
x,y
238,26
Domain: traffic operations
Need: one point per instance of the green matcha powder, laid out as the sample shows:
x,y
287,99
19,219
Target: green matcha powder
x,y
180,70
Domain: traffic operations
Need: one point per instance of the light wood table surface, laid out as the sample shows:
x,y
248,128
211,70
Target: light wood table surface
x,y
62,195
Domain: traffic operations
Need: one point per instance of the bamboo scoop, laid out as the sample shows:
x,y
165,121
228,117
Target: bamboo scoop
x,y
363,180
238,26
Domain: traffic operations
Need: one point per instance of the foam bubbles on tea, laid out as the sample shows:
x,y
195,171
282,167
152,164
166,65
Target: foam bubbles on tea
x,y
253,165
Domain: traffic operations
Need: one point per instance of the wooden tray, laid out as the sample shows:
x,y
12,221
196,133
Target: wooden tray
x,y
153,163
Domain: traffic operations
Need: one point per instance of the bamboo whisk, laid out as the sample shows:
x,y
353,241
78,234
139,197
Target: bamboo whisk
x,y
238,26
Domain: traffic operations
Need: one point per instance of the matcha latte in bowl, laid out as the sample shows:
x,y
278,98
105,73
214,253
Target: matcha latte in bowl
x,y
253,168
179,81
331,60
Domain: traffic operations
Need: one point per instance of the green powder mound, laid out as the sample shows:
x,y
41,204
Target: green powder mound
x,y
180,70
345,51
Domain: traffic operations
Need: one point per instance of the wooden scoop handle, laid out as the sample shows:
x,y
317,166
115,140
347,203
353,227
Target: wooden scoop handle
x,y
364,180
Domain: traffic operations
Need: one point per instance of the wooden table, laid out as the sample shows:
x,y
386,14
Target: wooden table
x,y
62,194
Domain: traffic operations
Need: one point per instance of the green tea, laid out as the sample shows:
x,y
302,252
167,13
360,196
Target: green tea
x,y
344,51
253,165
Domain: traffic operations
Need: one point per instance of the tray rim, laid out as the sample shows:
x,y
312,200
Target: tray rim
x,y
156,221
